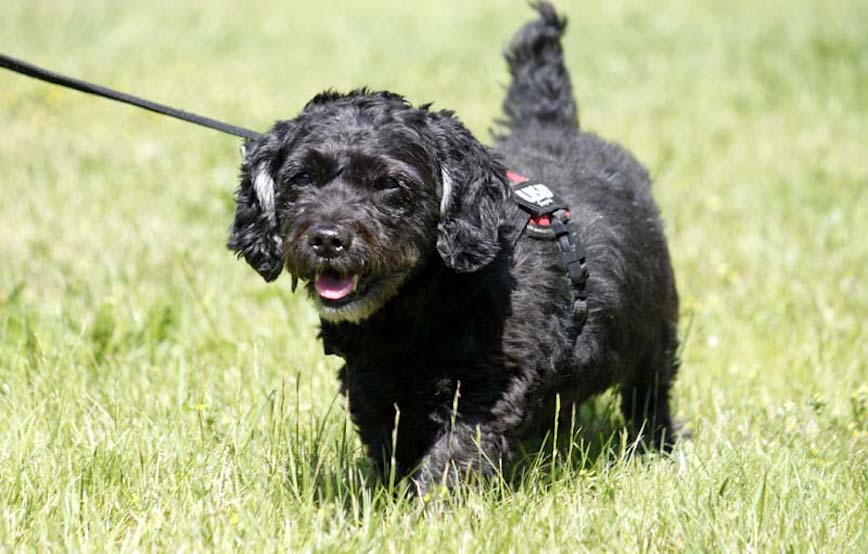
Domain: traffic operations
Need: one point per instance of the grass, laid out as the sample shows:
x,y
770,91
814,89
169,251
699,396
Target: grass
x,y
155,394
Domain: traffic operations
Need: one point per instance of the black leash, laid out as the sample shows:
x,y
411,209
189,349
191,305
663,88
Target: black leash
x,y
30,70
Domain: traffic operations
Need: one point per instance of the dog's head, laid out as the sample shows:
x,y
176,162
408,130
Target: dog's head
x,y
361,190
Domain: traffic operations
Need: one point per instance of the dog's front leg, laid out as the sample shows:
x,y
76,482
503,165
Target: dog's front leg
x,y
463,452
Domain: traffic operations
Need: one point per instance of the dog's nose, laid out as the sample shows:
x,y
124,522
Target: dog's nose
x,y
328,241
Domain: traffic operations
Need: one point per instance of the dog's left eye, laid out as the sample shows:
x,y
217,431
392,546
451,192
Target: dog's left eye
x,y
388,183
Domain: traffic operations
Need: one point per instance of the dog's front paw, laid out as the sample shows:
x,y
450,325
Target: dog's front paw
x,y
430,489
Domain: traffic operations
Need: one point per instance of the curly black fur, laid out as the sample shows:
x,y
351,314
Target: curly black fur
x,y
455,321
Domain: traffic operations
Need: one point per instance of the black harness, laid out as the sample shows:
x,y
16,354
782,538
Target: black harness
x,y
549,218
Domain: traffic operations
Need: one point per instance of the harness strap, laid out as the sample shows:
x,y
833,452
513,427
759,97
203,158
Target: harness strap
x,y
550,219
573,253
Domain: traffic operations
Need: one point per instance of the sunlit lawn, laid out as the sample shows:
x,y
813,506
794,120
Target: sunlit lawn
x,y
156,394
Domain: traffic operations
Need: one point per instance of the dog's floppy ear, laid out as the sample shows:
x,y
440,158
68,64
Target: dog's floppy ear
x,y
255,233
473,192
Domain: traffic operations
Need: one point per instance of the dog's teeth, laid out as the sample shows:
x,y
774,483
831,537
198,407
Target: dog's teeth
x,y
294,283
355,282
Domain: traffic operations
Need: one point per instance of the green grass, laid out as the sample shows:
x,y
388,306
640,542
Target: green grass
x,y
155,394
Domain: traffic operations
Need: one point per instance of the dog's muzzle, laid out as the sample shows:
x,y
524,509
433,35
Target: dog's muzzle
x,y
329,242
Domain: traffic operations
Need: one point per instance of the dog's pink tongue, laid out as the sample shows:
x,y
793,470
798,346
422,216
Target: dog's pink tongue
x,y
332,286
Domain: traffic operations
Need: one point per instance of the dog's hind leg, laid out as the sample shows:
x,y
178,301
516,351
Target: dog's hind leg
x,y
645,397
646,408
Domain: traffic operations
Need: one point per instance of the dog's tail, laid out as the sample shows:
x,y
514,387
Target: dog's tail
x,y
540,92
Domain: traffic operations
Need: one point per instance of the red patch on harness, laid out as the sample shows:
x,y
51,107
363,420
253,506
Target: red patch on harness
x,y
542,221
515,177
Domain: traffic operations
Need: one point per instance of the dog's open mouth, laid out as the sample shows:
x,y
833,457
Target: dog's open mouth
x,y
353,297
334,287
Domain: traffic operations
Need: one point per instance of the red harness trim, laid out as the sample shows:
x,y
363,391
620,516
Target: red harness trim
x,y
541,221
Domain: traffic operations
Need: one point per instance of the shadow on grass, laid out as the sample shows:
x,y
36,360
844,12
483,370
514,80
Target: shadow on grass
x,y
587,438
323,463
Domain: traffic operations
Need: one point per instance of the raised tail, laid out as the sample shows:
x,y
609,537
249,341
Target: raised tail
x,y
540,93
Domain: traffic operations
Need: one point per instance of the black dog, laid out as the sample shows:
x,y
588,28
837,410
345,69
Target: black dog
x,y
451,319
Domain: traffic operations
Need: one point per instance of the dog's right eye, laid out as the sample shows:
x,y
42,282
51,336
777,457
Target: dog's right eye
x,y
303,178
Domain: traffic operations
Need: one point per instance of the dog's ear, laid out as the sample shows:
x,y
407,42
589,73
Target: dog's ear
x,y
255,233
473,192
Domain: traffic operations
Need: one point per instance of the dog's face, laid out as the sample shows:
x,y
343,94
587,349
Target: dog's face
x,y
359,192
